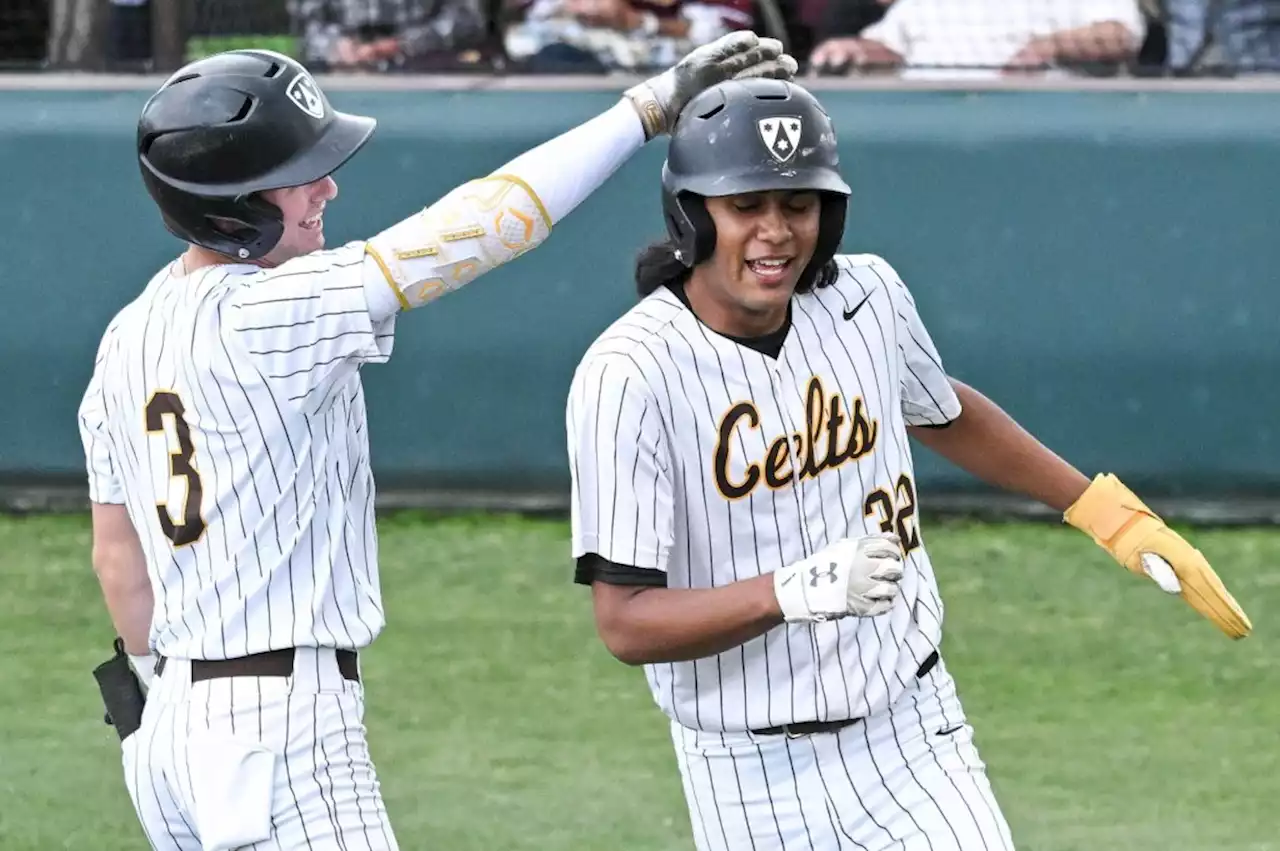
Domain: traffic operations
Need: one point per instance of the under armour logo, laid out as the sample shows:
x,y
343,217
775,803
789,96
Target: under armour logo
x,y
781,136
829,574
306,95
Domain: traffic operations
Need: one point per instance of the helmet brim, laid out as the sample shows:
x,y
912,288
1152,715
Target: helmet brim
x,y
345,135
764,179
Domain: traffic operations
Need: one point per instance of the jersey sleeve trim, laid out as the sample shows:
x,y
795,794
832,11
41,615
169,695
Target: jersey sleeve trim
x,y
947,424
591,542
593,567
386,275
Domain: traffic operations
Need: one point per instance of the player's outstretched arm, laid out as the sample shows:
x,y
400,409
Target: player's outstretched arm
x,y
647,625
491,221
986,442
315,319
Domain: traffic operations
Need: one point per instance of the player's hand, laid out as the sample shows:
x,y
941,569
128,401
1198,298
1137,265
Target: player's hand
x,y
1133,534
1036,56
840,56
855,577
737,55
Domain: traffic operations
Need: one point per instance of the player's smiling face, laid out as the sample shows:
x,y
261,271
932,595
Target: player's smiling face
x,y
764,240
303,211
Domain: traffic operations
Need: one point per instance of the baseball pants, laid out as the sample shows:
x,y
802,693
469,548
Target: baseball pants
x,y
261,763
907,779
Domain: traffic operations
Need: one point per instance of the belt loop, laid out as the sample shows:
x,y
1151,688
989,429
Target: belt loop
x,y
172,681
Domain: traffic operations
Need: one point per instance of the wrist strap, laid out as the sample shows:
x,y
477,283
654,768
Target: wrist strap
x,y
652,116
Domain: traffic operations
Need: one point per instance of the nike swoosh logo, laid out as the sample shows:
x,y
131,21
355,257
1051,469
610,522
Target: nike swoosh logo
x,y
947,731
848,314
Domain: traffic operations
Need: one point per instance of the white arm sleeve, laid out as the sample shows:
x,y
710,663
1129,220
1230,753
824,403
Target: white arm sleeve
x,y
621,499
492,220
927,395
104,482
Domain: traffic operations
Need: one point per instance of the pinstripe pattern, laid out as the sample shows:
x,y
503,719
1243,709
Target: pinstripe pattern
x,y
890,783
643,419
671,472
326,793
265,365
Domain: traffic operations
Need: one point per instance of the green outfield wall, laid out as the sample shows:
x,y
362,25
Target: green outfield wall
x,y
1104,264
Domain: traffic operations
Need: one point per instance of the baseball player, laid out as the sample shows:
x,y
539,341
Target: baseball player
x,y
226,443
745,506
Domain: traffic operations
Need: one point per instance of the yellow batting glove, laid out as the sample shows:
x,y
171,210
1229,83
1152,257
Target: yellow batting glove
x,y
1122,525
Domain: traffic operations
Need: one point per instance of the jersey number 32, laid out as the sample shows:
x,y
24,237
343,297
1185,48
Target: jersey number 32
x,y
188,529
895,512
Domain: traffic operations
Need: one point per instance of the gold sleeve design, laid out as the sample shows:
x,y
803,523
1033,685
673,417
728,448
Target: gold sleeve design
x,y
473,230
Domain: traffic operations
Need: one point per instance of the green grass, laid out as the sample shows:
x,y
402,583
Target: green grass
x,y
1111,716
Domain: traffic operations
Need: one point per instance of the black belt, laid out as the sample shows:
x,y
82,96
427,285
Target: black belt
x,y
273,663
808,728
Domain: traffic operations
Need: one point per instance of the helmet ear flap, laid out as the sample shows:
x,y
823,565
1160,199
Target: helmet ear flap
x,y
704,228
246,228
690,227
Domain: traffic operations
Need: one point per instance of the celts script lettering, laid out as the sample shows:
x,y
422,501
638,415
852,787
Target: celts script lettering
x,y
833,434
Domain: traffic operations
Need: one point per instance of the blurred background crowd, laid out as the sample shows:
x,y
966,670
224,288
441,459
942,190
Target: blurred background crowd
x,y
932,39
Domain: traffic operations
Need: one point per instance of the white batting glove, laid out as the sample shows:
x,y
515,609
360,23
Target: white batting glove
x,y
855,577
736,55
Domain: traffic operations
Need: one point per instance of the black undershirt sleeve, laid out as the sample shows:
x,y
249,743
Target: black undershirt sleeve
x,y
593,567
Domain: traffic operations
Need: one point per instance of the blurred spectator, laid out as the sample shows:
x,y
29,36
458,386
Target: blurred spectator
x,y
1222,36
381,35
956,39
74,38
559,36
814,21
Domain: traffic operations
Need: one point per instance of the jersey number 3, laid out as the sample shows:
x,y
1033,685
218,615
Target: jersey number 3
x,y
165,403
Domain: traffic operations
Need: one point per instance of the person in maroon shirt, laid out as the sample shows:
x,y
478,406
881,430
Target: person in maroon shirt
x,y
812,22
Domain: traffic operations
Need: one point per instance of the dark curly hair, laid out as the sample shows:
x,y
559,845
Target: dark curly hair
x,y
657,266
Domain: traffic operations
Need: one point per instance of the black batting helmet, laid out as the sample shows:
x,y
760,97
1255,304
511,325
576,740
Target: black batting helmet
x,y
231,125
751,135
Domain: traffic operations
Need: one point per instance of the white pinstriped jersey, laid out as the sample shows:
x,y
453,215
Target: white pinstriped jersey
x,y
226,413
706,459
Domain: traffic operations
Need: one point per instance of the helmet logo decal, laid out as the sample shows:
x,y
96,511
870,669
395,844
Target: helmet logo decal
x,y
306,95
781,135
